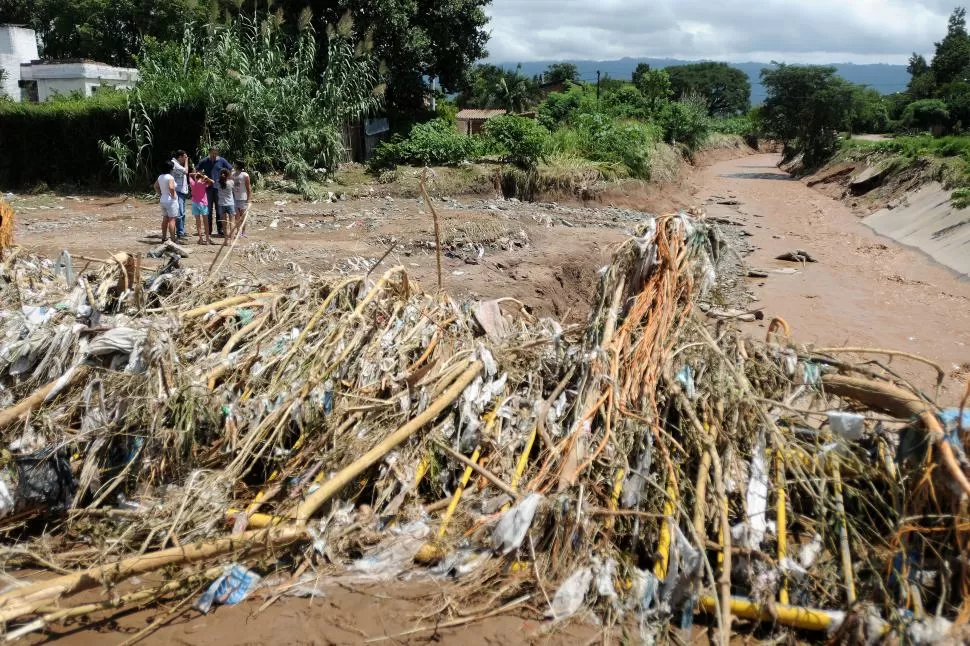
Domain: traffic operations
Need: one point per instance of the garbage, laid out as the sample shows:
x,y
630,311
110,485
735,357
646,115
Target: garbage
x,y
229,589
799,255
651,461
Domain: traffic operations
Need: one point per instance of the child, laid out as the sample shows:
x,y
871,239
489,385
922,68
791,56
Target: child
x,y
169,201
242,190
227,206
199,185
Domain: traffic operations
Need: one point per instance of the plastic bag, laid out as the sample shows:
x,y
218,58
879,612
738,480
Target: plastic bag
x,y
570,595
229,589
514,525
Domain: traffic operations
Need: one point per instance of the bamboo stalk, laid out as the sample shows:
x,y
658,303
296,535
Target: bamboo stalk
x,y
39,396
224,303
477,468
782,522
725,556
25,600
844,547
315,500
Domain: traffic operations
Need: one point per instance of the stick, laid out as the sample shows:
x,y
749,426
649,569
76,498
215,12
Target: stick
x,y
437,229
224,303
23,601
901,404
940,373
482,471
39,396
309,506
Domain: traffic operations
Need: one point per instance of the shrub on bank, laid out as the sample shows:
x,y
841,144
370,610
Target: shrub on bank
x,y
56,142
435,143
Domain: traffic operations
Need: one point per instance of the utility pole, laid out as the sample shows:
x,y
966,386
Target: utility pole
x,y
597,86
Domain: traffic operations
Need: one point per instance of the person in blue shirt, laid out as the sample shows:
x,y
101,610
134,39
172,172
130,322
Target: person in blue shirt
x,y
212,166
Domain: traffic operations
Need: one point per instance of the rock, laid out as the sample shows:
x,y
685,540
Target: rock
x,y
757,273
869,178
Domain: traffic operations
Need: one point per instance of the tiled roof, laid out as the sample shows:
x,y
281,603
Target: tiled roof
x,y
479,115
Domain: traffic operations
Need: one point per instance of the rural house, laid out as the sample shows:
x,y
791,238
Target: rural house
x,y
471,122
30,79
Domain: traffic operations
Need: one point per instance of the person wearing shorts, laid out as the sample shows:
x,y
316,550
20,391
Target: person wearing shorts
x,y
199,185
168,200
241,192
227,205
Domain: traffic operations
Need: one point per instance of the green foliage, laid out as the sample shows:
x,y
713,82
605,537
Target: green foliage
x,y
805,108
265,101
418,40
490,86
561,108
952,57
110,31
654,85
59,142
558,72
599,138
686,123
726,89
521,141
925,115
435,143
870,111
960,199
742,126
626,102
446,110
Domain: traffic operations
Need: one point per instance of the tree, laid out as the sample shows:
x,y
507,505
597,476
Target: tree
x,y
559,72
952,58
490,86
805,107
926,115
870,111
654,85
642,69
417,39
109,31
726,89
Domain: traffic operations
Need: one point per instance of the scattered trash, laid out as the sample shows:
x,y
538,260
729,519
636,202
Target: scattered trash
x,y
798,255
349,426
229,589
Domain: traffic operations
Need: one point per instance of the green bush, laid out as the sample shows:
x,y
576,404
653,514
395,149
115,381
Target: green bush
x,y
686,123
743,126
599,138
521,141
925,114
435,143
57,142
562,108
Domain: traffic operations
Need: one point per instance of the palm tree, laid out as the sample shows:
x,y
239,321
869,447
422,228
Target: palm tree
x,y
514,91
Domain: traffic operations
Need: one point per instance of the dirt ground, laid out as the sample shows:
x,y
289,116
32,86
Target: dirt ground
x,y
863,291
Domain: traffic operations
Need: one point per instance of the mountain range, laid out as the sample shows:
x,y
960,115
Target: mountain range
x,y
883,77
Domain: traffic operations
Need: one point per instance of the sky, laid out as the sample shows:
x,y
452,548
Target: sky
x,y
793,31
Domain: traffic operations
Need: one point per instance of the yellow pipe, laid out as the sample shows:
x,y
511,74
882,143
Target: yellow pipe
x,y
256,521
423,467
663,545
524,458
782,523
793,616
615,496
456,498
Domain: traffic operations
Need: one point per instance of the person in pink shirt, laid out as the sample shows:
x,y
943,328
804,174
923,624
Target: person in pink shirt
x,y
198,184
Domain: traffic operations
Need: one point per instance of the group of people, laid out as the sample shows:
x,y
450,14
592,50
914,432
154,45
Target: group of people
x,y
217,190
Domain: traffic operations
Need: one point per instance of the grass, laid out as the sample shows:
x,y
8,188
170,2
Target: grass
x,y
943,159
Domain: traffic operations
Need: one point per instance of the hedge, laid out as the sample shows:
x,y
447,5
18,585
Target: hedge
x,y
56,142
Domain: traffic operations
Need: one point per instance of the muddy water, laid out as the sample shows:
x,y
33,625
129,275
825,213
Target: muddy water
x,y
865,290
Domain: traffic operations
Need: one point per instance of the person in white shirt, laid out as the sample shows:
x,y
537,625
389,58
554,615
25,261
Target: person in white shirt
x,y
169,201
242,191
180,173
227,205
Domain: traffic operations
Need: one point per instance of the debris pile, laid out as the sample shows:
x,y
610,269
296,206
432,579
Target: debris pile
x,y
650,468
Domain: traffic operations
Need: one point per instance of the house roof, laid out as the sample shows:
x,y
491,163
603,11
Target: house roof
x,y
479,115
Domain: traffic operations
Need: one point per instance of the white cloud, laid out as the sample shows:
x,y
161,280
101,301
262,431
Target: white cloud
x,y
861,31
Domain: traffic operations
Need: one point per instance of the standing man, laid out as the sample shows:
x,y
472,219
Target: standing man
x,y
180,173
212,166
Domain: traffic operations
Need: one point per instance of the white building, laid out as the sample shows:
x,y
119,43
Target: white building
x,y
17,45
40,80
30,79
